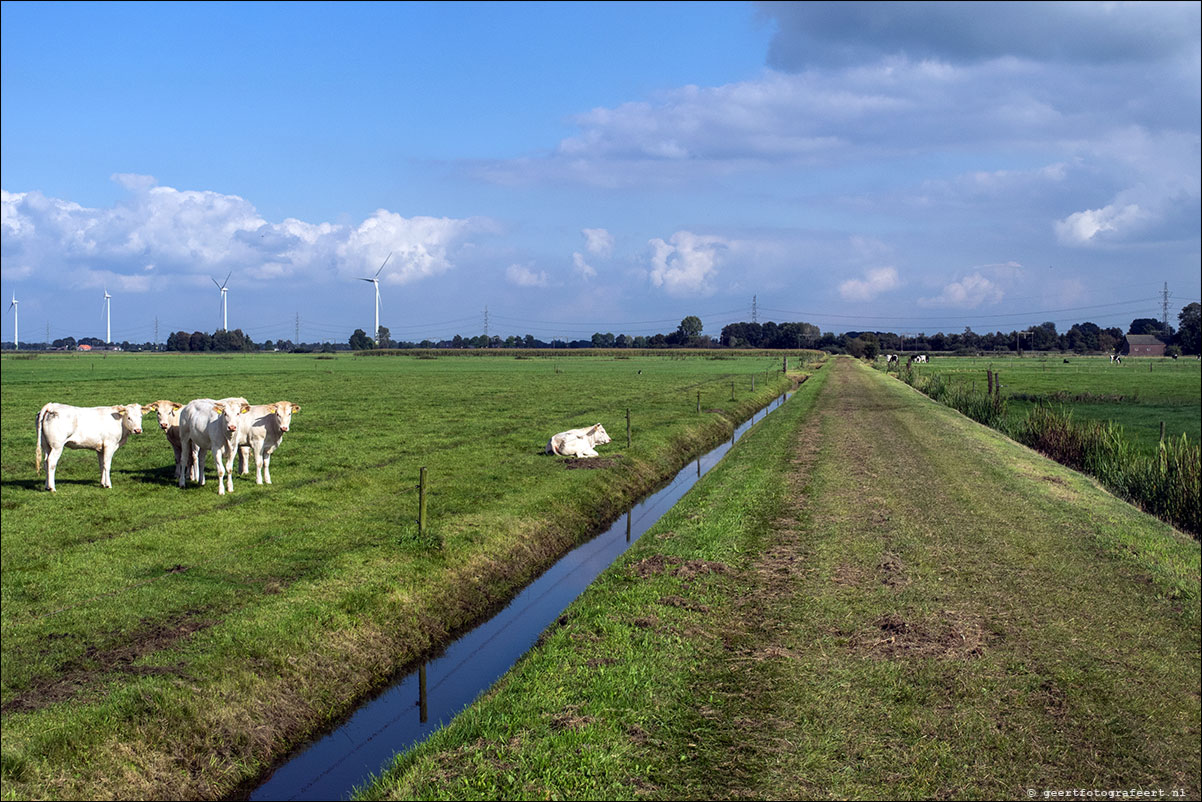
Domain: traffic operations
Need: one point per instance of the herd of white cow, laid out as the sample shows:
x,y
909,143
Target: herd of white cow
x,y
225,427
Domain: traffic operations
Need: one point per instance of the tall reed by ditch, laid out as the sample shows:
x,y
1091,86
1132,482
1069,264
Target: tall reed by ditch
x,y
1167,484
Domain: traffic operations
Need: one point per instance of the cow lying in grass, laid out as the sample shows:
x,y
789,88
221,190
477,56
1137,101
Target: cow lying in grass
x,y
578,442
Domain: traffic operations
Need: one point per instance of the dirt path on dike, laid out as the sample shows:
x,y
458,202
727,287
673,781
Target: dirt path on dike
x,y
939,614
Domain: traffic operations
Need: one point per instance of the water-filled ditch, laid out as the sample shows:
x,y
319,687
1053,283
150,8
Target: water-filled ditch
x,y
428,698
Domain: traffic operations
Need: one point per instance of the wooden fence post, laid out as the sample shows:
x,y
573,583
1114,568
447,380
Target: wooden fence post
x,y
421,503
628,427
699,401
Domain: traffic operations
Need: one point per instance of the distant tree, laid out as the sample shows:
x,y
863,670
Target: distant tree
x,y
199,341
359,341
1190,324
1146,325
690,327
603,340
384,340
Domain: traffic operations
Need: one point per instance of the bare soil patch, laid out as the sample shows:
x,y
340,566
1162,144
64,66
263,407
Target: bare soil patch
x,y
96,665
953,635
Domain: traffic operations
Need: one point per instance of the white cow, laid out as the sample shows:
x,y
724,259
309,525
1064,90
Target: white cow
x,y
578,442
890,358
102,429
259,433
213,425
168,415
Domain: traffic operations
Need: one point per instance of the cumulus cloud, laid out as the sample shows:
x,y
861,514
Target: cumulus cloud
x,y
582,267
985,285
160,234
1083,227
686,264
523,276
875,282
598,242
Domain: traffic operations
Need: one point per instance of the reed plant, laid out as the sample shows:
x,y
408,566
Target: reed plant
x,y
1165,484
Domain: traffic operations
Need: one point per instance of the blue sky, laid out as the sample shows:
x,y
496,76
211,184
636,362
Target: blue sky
x,y
597,167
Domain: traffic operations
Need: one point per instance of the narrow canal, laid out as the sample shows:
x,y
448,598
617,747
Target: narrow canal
x,y
410,710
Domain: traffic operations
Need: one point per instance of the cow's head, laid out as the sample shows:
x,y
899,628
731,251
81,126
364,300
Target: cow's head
x,y
131,417
167,411
283,411
231,412
599,435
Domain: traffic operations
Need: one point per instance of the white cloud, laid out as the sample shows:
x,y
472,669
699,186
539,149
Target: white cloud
x,y
582,267
875,282
985,285
598,242
1080,228
168,234
686,264
523,276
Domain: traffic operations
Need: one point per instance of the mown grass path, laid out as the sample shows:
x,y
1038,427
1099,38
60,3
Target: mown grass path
x,y
876,599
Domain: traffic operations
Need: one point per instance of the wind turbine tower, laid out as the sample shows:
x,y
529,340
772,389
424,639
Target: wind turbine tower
x,y
16,336
224,289
375,280
108,317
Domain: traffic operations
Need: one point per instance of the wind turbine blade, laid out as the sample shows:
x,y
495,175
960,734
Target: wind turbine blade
x,y
384,263
227,279
215,284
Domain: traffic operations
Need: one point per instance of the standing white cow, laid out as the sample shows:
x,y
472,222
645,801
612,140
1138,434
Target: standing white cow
x,y
578,442
101,429
212,425
168,415
259,433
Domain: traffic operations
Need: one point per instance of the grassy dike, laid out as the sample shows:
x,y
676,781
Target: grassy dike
x,y
871,597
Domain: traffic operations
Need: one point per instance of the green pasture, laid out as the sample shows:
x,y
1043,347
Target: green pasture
x,y
1138,394
870,597
160,642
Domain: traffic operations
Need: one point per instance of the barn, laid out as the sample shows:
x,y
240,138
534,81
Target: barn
x,y
1143,345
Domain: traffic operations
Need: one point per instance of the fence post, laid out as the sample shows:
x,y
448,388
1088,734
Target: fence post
x,y
1162,431
698,401
421,502
732,391
628,427
421,694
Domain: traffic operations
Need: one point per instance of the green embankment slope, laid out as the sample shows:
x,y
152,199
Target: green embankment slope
x,y
871,597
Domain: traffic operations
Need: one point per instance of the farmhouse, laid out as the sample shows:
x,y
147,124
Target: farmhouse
x,y
1143,345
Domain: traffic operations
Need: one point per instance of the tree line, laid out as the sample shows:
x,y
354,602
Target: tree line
x,y
1081,338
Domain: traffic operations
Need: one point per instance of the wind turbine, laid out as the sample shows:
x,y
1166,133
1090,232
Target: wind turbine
x,y
16,338
376,281
108,317
224,289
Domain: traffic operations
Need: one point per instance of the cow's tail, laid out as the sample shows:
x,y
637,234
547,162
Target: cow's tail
x,y
37,460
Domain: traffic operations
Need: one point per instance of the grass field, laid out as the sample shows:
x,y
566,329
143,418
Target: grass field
x,y
871,597
1138,394
160,642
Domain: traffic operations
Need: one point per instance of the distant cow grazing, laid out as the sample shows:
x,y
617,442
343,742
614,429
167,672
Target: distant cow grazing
x,y
101,429
578,442
168,415
260,432
890,358
205,424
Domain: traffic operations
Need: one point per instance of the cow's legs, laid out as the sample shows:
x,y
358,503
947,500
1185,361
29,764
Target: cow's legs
x,y
267,466
106,466
52,456
244,457
179,453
